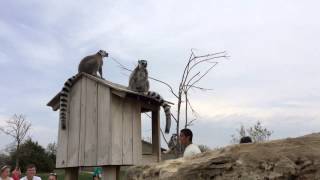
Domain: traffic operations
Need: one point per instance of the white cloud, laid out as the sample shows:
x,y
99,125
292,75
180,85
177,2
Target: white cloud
x,y
44,134
271,73
3,120
3,58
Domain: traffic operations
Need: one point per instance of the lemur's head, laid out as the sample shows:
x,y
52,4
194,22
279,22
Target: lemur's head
x,y
142,64
103,53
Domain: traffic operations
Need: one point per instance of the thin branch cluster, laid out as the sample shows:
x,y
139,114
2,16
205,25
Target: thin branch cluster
x,y
17,127
190,79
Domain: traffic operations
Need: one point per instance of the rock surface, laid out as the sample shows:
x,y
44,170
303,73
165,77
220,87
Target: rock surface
x,y
288,159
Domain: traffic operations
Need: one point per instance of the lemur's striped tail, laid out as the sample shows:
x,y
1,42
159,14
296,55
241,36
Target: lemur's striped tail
x,y
166,108
64,97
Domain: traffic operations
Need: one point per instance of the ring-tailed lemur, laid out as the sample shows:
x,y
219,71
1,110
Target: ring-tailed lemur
x,y
139,82
90,64
172,145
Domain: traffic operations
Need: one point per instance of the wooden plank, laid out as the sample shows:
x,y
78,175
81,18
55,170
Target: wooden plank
x,y
149,106
71,173
119,93
91,125
136,133
74,125
127,156
116,123
62,149
82,121
104,128
110,173
156,134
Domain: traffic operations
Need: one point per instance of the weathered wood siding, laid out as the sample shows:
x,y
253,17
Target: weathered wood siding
x,y
104,125
127,133
74,125
91,124
102,128
136,131
125,117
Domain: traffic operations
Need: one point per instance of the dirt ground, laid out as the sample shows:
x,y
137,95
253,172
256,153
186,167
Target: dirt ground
x,y
287,159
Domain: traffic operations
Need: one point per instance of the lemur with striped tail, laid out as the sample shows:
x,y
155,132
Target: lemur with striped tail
x,y
91,65
139,82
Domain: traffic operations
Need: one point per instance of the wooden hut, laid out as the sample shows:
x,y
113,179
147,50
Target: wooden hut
x,y
104,127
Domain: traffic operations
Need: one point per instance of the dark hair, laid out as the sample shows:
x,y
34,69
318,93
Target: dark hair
x,y
31,166
245,139
188,133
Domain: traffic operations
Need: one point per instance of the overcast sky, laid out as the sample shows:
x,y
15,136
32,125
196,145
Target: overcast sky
x,y
271,76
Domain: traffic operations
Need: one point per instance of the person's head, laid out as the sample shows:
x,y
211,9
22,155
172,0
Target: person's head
x,y
17,170
245,139
52,176
4,171
186,136
31,170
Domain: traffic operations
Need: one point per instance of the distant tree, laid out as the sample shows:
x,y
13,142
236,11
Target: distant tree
x,y
4,159
257,133
52,151
241,132
17,127
33,153
204,148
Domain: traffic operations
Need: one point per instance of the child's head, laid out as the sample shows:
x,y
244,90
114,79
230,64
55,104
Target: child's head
x,y
52,176
4,171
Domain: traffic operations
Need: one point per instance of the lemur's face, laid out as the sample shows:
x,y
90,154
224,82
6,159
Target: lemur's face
x,y
142,63
103,53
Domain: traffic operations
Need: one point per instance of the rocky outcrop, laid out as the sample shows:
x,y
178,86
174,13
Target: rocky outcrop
x,y
288,159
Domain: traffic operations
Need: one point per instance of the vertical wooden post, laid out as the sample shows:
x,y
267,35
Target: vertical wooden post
x,y
156,151
110,172
71,173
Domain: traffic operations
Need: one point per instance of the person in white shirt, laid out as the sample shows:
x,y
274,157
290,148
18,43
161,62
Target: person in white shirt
x,y
31,173
186,140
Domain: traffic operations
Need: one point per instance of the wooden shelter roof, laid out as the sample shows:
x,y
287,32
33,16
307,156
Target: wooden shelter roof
x,y
117,89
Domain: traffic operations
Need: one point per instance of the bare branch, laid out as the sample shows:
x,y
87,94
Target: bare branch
x,y
212,54
190,122
174,118
164,137
194,112
160,130
192,79
171,89
193,83
200,88
207,60
186,71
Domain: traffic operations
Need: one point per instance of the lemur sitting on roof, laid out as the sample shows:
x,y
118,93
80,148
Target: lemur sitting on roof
x,y
139,82
91,65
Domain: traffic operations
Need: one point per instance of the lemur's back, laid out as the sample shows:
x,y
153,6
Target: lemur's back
x,y
90,64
